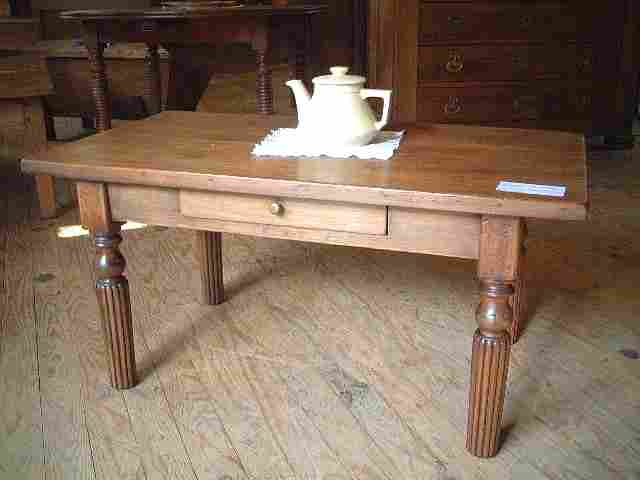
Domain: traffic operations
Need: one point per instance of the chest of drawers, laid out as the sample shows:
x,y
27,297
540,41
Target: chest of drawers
x,y
551,64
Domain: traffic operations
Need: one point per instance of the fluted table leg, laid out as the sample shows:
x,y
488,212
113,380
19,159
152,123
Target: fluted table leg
x,y
489,369
112,291
500,249
210,253
112,287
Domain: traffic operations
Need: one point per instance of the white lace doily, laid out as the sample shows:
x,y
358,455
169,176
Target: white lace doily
x,y
285,142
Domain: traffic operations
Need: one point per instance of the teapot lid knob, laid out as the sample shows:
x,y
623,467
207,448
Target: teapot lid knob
x,y
339,71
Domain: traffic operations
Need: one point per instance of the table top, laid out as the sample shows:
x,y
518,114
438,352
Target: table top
x,y
438,167
186,13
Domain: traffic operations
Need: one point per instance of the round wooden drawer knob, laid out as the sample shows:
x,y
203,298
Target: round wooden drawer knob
x,y
277,209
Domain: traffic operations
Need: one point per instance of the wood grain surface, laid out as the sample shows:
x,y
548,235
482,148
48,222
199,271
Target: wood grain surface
x,y
300,213
451,168
325,361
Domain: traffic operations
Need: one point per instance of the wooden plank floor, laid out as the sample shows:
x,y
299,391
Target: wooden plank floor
x,y
325,363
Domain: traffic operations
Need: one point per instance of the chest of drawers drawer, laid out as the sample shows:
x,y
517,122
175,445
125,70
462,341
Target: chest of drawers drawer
x,y
284,212
503,62
482,22
503,104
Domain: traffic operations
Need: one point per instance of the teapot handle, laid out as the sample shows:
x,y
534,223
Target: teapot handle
x,y
385,95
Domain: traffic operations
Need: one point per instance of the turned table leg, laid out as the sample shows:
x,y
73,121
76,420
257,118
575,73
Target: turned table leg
x,y
112,287
264,85
112,291
210,257
500,248
100,85
153,84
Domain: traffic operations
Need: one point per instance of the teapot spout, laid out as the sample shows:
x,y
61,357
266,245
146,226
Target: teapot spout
x,y
302,96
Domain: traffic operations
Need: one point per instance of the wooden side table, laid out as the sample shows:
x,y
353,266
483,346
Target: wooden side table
x,y
24,81
174,28
437,196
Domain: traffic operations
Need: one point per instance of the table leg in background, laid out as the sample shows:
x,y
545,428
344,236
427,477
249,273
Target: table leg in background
x,y
112,287
209,248
100,84
298,51
519,302
500,249
152,80
264,85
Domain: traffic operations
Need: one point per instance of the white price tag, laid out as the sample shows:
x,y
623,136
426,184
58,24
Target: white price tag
x,y
533,189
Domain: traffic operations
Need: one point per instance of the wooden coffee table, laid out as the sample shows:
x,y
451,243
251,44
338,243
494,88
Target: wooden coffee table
x,y
436,196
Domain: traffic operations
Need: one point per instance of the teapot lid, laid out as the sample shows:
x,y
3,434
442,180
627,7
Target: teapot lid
x,y
339,77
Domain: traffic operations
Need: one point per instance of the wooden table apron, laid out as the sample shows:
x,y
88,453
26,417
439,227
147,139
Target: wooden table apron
x,y
192,170
174,29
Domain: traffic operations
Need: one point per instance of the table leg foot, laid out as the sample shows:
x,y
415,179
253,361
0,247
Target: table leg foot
x,y
112,290
489,370
210,253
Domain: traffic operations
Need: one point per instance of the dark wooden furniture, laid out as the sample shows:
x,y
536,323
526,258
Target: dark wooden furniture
x,y
560,64
24,82
436,196
173,28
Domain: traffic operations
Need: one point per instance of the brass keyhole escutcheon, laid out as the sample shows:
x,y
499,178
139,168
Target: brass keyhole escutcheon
x,y
455,63
526,21
277,209
455,20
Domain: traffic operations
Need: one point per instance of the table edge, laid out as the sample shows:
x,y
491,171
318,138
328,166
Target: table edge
x,y
390,197
172,13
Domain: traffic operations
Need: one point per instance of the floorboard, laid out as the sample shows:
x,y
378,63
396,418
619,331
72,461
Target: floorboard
x,y
325,362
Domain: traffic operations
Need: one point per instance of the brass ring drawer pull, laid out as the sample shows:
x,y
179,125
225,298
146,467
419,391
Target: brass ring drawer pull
x,y
519,62
455,20
455,63
277,209
453,106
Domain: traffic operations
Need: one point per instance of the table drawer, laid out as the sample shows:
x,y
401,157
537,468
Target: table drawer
x,y
441,21
286,212
503,62
554,101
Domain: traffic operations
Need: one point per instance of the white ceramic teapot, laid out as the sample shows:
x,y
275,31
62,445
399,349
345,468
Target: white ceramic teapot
x,y
338,114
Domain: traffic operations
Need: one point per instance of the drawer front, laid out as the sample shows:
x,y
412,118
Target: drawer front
x,y
503,63
502,104
286,212
440,22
